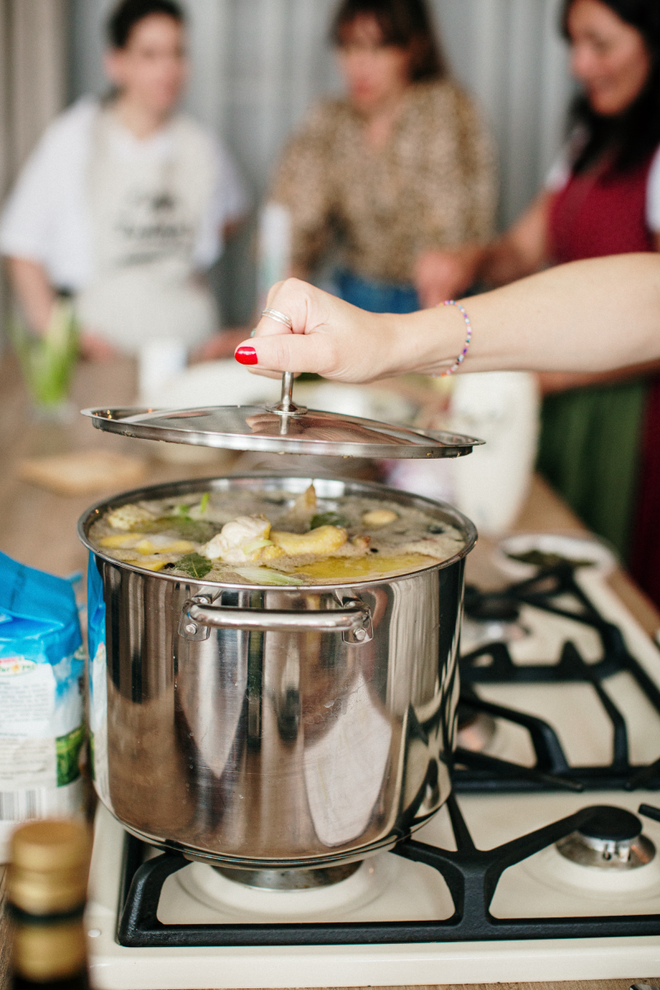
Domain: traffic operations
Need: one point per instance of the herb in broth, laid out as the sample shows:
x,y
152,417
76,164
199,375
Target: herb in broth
x,y
194,565
190,529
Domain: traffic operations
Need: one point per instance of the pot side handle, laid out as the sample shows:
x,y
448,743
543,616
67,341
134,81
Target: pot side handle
x,y
353,620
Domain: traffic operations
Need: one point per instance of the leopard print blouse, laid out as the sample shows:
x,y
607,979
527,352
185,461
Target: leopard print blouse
x,y
433,184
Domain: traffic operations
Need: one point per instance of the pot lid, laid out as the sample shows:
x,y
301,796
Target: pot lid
x,y
282,428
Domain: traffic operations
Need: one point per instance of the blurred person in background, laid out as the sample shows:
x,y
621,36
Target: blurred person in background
x,y
600,444
125,201
398,167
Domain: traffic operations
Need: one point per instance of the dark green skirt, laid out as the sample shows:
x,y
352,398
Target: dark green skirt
x,y
589,451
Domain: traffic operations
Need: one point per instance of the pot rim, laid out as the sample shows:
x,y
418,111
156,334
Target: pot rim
x,y
190,485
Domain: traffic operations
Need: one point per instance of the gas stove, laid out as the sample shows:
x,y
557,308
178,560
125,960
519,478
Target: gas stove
x,y
543,865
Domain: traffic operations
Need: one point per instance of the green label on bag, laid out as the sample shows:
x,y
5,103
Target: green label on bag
x,y
67,749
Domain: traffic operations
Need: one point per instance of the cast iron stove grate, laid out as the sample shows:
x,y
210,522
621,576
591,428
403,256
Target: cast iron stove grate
x,y
480,772
471,875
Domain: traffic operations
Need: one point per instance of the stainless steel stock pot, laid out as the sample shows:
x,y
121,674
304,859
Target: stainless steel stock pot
x,y
271,727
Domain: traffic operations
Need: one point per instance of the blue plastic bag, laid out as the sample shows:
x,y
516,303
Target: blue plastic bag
x,y
98,672
41,696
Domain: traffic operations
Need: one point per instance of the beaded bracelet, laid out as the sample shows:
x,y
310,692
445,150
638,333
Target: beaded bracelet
x,y
461,357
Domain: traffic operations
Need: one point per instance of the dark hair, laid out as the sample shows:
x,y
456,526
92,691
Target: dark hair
x,y
128,13
632,135
404,23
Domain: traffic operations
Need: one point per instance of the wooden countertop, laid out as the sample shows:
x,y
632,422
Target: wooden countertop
x,y
39,527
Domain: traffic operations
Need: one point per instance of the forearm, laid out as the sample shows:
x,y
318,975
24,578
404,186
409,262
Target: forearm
x,y
589,316
33,291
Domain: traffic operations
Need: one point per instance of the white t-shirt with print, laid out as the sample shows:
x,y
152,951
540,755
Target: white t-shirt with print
x,y
157,219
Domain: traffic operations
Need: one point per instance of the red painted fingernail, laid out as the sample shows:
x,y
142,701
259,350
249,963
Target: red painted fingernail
x,y
246,355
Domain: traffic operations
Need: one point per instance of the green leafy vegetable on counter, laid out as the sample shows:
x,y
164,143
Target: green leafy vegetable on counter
x,y
194,565
48,360
539,558
328,519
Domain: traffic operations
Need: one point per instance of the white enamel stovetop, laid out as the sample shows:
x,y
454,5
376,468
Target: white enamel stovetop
x,y
390,888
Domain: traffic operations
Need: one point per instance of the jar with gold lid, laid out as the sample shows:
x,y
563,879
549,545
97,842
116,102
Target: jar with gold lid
x,y
46,891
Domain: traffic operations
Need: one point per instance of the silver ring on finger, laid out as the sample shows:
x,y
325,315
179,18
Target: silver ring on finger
x,y
275,314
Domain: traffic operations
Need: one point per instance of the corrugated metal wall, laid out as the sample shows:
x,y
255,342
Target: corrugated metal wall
x,y
259,63
33,36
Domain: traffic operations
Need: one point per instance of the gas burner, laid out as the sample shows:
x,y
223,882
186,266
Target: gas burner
x,y
612,840
468,874
303,879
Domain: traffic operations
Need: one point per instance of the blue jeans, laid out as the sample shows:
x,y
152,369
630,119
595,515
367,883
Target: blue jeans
x,y
375,297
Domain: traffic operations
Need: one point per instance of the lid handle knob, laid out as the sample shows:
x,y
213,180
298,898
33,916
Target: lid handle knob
x,y
286,406
286,402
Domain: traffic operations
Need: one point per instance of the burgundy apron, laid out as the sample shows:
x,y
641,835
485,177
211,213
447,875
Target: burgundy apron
x,y
597,215
601,213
